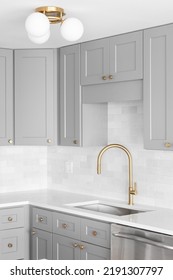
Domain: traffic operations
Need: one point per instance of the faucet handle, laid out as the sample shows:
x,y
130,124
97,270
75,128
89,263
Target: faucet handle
x,y
133,190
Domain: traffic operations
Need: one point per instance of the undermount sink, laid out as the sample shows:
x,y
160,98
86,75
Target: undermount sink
x,y
109,209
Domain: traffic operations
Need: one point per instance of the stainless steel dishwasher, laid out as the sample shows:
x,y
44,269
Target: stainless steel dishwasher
x,y
128,243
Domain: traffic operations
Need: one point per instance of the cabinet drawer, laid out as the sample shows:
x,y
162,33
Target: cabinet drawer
x,y
94,232
66,225
12,244
11,218
42,219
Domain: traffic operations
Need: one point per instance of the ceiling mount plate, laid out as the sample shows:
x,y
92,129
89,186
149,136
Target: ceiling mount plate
x,y
54,14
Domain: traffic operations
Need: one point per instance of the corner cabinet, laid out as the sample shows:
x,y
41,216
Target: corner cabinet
x,y
70,96
6,97
34,97
158,88
113,59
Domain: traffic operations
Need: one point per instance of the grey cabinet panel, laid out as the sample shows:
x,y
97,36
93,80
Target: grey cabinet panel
x,y
94,61
95,232
66,225
126,57
42,219
34,97
11,218
12,244
64,248
158,87
6,97
113,59
41,245
93,252
70,96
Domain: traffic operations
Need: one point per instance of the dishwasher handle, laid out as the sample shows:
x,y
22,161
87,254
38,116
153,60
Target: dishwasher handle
x,y
143,240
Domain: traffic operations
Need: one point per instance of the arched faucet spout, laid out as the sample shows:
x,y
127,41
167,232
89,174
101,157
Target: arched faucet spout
x,y
132,187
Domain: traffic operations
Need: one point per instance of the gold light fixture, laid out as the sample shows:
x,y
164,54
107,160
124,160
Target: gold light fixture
x,y
38,24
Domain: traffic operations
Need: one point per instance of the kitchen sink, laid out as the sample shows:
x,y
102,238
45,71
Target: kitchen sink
x,y
109,209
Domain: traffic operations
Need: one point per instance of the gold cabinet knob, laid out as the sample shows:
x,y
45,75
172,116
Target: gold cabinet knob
x,y
110,77
64,226
81,247
10,219
94,233
10,245
33,232
10,141
75,142
49,141
40,219
104,78
167,145
75,245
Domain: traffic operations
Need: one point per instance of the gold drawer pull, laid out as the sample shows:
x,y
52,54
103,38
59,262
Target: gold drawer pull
x,y
75,245
10,219
64,226
167,145
33,232
81,247
10,245
104,78
110,77
49,141
75,142
41,219
94,233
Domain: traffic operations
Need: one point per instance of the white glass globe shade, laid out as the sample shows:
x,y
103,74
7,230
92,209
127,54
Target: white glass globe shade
x,y
39,39
72,29
37,24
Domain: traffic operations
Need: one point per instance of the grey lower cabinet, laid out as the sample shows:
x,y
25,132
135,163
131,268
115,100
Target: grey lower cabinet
x,y
158,88
6,97
13,238
35,97
114,59
70,96
62,236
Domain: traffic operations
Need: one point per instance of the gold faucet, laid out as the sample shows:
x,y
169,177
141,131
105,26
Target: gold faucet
x,y
132,187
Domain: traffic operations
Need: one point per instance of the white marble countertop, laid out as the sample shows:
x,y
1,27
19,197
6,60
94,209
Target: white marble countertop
x,y
155,219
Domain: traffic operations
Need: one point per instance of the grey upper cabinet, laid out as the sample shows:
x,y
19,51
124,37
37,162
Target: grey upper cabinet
x,y
113,59
70,96
6,97
158,88
34,97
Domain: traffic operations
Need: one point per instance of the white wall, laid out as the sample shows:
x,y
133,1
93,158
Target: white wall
x,y
74,169
23,168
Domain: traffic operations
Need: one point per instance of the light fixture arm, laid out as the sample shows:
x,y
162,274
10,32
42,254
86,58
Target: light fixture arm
x,y
54,14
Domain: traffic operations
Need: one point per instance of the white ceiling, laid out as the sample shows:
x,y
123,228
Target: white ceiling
x,y
101,18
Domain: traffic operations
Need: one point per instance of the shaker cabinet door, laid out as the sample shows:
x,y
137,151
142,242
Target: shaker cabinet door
x,y
70,96
158,88
126,57
6,97
41,245
94,62
34,100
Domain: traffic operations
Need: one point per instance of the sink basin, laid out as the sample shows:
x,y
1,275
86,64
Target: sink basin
x,y
109,209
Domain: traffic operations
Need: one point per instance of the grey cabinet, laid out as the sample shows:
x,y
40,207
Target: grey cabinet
x,y
158,88
41,234
65,248
70,96
61,236
13,238
6,97
113,59
41,245
34,97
